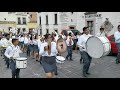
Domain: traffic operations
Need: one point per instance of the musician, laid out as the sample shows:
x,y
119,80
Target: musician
x,y
48,51
69,43
39,46
7,43
31,45
11,53
26,39
117,40
35,48
82,45
21,42
63,36
102,33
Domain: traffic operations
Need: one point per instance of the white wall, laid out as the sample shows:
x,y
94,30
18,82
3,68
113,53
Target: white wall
x,y
9,17
78,21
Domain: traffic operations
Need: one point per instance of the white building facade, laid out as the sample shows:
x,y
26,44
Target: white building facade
x,y
78,20
56,21
13,20
22,18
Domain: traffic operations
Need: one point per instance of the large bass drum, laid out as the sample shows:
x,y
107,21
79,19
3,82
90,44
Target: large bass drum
x,y
98,47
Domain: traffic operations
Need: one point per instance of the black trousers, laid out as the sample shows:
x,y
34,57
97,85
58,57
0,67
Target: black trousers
x,y
86,61
7,62
15,72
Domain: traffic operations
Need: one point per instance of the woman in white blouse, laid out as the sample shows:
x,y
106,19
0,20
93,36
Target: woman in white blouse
x,y
35,48
48,51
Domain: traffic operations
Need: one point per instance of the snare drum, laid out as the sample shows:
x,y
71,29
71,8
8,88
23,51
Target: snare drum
x,y
60,59
21,63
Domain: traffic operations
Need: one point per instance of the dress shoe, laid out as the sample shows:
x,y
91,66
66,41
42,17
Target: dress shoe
x,y
56,73
84,75
81,62
71,59
40,62
117,62
66,58
88,73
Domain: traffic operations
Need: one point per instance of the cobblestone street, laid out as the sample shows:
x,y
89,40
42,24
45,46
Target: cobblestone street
x,y
100,68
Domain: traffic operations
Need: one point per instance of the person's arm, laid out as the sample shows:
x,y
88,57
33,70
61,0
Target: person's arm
x,y
42,49
19,50
79,43
7,51
117,37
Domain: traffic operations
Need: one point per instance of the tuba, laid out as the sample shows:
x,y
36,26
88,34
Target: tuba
x,y
61,45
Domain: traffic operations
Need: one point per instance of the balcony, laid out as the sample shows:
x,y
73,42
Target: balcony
x,y
32,25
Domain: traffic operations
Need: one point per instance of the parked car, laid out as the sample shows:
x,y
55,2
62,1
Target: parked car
x,y
67,31
114,49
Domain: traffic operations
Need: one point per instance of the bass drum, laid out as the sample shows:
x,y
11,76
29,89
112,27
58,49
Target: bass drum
x,y
98,47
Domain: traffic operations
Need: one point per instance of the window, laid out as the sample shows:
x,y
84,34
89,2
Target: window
x,y
47,30
46,19
90,26
19,20
24,20
56,30
40,31
9,28
24,29
71,12
72,27
18,31
40,20
55,19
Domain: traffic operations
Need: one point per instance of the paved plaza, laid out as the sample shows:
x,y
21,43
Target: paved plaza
x,y
100,68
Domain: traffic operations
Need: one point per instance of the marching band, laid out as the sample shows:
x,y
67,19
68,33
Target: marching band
x,y
45,49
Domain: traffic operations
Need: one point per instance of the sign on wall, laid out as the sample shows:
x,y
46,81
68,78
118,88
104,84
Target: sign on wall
x,y
92,15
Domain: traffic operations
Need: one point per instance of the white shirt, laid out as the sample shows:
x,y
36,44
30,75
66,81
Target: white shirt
x,y
45,53
101,34
26,40
64,37
21,39
117,37
5,42
82,41
56,38
39,44
68,41
12,51
30,42
35,42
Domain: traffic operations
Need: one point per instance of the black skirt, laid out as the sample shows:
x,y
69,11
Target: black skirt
x,y
49,64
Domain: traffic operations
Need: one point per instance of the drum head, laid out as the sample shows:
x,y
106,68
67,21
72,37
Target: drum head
x,y
60,58
21,58
95,47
